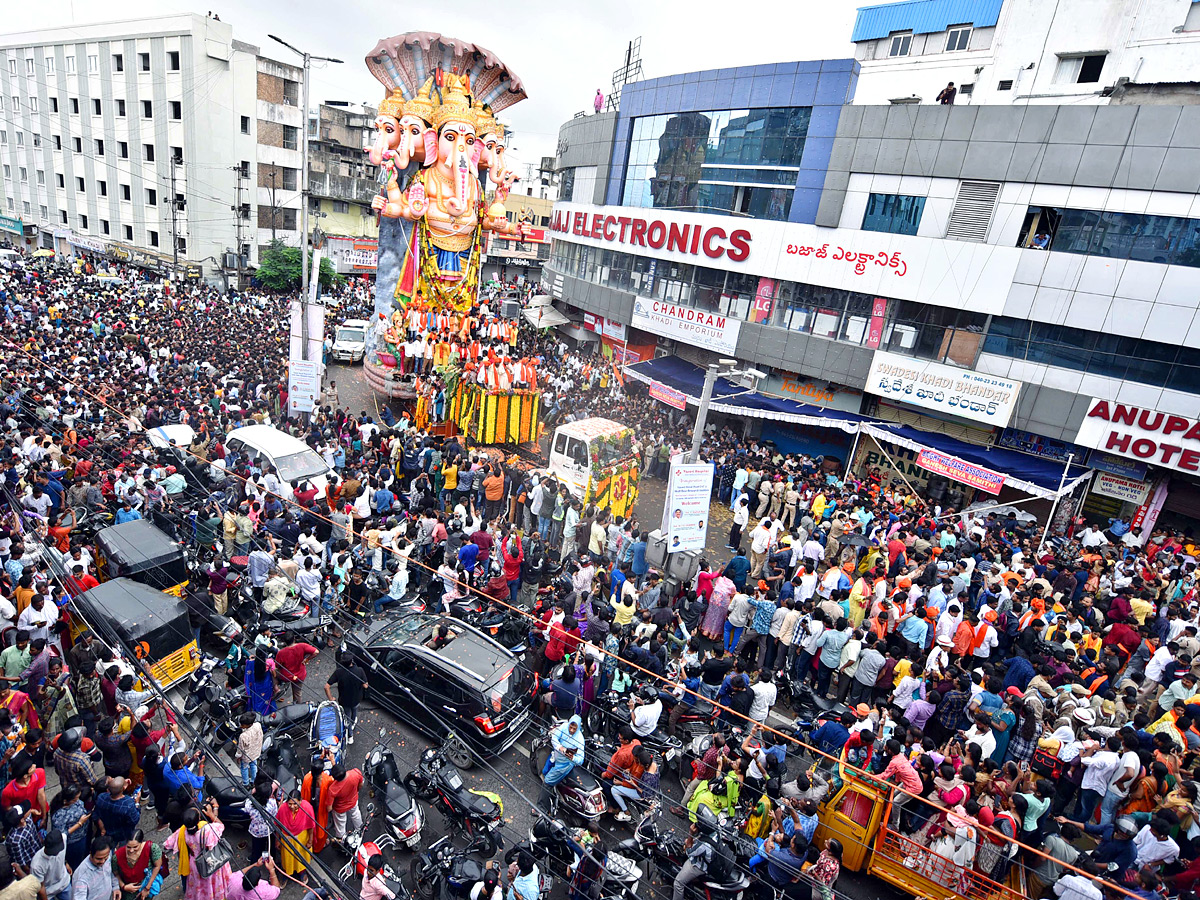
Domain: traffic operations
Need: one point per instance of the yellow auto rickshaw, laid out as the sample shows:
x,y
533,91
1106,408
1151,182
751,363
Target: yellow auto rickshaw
x,y
151,626
140,551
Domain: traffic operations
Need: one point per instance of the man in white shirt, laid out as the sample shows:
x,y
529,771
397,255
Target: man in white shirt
x,y
760,543
1154,844
1100,764
1077,887
985,636
1092,537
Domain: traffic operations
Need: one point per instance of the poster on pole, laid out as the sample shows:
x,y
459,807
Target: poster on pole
x,y
688,496
304,386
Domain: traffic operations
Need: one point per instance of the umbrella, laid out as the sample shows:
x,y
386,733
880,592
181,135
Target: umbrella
x,y
44,252
855,539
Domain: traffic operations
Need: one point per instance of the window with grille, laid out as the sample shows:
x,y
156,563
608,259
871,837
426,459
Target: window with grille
x,y
973,209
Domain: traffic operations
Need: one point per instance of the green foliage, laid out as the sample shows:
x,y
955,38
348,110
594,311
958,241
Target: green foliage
x,y
279,269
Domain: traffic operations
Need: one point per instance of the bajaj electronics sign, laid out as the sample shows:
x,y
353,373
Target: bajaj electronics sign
x,y
683,323
943,389
1147,434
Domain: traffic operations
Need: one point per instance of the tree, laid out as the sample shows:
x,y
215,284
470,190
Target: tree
x,y
279,269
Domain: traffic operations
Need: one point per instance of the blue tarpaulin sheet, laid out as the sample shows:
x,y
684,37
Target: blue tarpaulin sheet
x,y
1029,473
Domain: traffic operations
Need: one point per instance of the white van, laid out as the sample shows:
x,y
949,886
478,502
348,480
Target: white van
x,y
350,341
572,446
293,459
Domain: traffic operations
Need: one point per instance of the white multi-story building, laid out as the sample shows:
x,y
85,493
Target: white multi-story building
x,y
110,131
1026,51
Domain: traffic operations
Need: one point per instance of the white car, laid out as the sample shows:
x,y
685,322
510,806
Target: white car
x,y
293,459
350,341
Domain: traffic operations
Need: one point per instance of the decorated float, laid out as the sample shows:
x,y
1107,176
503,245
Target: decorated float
x,y
443,185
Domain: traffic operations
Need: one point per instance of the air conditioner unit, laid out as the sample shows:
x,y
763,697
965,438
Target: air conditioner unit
x,y
510,309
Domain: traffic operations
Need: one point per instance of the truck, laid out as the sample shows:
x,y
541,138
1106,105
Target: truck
x,y
350,341
858,814
595,459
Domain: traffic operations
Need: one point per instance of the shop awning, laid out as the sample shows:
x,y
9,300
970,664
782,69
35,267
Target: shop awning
x,y
545,317
733,399
1031,474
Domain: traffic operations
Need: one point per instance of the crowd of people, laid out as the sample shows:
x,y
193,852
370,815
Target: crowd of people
x,y
1013,689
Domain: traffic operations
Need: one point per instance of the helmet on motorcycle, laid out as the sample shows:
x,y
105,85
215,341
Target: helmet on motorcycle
x,y
648,692
692,670
171,470
393,565
706,821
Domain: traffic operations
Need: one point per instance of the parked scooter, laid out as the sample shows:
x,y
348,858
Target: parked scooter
x,y
278,762
400,809
553,845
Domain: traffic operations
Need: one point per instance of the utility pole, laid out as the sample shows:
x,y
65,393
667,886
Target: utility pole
x,y
304,251
174,225
237,211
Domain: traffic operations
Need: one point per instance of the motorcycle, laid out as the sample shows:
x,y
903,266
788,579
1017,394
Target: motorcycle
x,y
361,853
438,782
609,711
379,586
204,685
579,793
443,871
667,854
399,807
278,762
551,843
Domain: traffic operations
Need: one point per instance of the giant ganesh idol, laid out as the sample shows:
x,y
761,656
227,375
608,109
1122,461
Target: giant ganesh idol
x,y
440,151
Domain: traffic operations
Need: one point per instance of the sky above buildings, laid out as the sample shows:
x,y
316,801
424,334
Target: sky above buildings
x,y
562,49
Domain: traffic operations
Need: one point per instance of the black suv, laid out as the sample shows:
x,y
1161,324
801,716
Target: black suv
x,y
467,681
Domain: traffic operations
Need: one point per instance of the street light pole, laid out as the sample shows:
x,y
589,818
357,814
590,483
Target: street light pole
x,y
304,251
711,374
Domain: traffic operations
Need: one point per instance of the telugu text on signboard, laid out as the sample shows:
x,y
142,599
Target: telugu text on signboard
x,y
945,389
1126,489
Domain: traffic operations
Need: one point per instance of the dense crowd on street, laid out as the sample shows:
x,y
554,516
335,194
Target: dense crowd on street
x,y
1016,691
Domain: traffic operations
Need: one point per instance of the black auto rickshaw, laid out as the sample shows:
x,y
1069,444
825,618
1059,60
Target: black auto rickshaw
x,y
141,551
150,626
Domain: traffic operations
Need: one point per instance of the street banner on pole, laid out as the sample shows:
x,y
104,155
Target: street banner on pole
x,y
304,386
688,496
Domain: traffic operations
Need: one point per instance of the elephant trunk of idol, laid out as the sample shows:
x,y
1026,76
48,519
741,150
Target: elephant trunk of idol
x,y
462,181
406,148
377,148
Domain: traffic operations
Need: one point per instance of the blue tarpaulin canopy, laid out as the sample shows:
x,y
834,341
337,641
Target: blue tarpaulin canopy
x,y
1031,474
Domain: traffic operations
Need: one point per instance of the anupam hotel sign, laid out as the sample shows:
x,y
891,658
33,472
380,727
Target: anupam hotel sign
x,y
1150,435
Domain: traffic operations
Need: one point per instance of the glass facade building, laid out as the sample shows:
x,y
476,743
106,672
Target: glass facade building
x,y
728,162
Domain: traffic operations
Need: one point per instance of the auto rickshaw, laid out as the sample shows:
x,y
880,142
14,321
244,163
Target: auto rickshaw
x,y
141,551
151,625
